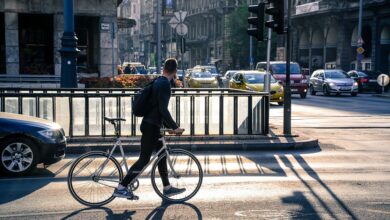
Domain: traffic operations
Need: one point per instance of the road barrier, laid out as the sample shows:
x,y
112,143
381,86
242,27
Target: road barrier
x,y
200,111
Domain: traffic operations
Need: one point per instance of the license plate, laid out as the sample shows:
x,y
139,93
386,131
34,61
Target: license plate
x,y
294,90
345,88
372,80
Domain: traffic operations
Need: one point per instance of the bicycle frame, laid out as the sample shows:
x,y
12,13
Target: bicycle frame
x,y
118,143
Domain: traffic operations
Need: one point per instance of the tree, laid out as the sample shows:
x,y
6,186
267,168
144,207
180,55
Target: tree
x,y
238,42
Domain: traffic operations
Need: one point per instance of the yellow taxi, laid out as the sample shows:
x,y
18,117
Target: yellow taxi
x,y
201,79
254,81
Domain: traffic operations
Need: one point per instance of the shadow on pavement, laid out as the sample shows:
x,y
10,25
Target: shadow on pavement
x,y
306,206
164,211
91,211
175,211
19,187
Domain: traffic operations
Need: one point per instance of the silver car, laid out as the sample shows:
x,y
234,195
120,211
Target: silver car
x,y
332,81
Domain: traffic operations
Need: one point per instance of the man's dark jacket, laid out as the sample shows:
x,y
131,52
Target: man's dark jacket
x,y
159,114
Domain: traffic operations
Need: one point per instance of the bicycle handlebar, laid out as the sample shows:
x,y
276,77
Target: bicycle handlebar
x,y
166,130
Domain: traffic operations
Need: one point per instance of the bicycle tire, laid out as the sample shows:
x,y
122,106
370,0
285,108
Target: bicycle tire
x,y
71,174
199,169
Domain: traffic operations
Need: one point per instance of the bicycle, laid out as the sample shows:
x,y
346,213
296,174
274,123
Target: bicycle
x,y
93,176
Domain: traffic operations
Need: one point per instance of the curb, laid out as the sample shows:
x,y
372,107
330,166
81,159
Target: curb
x,y
217,146
382,96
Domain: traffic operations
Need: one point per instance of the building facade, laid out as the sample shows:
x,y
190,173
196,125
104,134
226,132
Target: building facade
x,y
129,40
325,34
207,32
31,32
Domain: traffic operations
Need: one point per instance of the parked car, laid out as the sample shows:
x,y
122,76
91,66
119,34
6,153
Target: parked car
x,y
27,141
201,79
254,81
367,80
298,80
332,81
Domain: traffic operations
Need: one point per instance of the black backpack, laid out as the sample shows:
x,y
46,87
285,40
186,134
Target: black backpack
x,y
142,102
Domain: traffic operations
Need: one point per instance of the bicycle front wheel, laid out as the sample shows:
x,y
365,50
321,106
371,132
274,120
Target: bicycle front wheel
x,y
93,177
184,171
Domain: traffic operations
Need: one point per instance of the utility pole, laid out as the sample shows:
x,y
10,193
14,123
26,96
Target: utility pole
x,y
287,89
250,53
68,49
158,20
267,80
113,49
359,56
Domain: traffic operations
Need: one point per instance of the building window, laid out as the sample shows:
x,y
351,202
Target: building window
x,y
87,29
2,44
36,44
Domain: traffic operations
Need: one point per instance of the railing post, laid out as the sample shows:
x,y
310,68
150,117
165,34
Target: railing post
x,y
86,123
235,115
266,115
207,114
54,109
192,117
70,116
118,113
103,114
221,115
250,112
178,110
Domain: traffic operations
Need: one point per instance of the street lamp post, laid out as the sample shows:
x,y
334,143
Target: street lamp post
x,y
68,49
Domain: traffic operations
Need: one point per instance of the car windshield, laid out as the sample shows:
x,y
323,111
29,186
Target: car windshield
x,y
179,72
360,74
256,78
201,75
281,68
211,69
336,75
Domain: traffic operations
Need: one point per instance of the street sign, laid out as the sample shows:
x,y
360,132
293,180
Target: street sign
x,y
181,29
181,15
173,22
360,57
105,26
360,41
383,80
360,50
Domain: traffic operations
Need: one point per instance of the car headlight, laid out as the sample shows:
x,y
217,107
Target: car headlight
x,y
332,84
249,88
355,84
48,133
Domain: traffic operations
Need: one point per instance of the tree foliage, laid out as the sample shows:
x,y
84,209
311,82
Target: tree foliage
x,y
238,42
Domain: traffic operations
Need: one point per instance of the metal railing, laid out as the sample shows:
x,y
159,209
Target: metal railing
x,y
200,111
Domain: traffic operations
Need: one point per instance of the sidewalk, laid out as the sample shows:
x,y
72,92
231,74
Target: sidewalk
x,y
384,95
274,141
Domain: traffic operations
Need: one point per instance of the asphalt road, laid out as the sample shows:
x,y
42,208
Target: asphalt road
x,y
347,178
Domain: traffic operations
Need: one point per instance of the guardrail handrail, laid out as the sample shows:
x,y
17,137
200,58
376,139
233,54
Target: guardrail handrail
x,y
239,111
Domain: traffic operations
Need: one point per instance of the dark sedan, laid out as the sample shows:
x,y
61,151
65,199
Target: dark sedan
x,y
367,80
27,141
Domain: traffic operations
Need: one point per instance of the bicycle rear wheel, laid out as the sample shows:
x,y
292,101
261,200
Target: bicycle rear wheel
x,y
185,172
93,177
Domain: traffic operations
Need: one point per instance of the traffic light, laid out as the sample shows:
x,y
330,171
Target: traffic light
x,y
258,21
277,12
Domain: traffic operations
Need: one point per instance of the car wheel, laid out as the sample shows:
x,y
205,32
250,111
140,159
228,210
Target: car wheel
x,y
354,94
303,95
312,91
18,156
280,103
325,90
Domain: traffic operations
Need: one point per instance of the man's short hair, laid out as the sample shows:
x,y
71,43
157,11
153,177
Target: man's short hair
x,y
170,65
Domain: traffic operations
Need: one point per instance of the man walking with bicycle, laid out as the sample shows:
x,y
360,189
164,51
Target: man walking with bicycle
x,y
151,124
